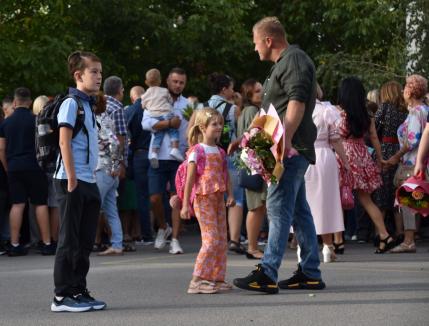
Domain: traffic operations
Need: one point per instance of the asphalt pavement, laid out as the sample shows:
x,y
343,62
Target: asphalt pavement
x,y
148,287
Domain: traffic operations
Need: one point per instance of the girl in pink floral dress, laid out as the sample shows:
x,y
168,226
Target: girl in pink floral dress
x,y
209,205
355,123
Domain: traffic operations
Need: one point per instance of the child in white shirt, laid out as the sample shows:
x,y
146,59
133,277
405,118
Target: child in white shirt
x,y
158,102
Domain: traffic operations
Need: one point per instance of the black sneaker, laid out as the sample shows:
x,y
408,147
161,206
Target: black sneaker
x,y
48,250
299,281
3,249
17,251
87,298
69,304
258,281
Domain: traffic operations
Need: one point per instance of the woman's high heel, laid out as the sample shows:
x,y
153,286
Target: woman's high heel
x,y
339,248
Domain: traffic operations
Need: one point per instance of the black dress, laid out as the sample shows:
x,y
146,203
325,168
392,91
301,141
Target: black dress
x,y
387,120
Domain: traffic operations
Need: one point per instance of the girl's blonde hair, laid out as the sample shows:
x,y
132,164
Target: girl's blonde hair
x,y
39,103
202,119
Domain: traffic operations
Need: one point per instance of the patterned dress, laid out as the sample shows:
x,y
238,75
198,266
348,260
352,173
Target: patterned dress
x,y
410,132
387,120
366,174
210,211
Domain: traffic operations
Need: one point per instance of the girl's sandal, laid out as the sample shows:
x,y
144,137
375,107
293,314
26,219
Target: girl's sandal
x,y
223,286
202,286
387,245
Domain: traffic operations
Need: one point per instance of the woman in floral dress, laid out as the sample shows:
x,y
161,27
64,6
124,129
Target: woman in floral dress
x,y
355,123
388,118
409,135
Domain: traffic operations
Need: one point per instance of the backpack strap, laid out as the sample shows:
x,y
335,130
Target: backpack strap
x,y
226,110
225,166
78,126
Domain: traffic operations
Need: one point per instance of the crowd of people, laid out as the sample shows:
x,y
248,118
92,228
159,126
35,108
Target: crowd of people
x,y
109,187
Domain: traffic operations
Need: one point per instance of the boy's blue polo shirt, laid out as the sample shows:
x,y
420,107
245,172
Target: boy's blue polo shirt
x,y
79,144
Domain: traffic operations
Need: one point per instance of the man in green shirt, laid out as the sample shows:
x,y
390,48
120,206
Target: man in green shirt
x,y
291,88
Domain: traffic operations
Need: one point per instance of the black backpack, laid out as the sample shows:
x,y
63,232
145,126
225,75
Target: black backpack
x,y
47,132
225,138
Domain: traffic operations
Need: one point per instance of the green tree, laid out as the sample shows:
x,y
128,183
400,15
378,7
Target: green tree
x,y
364,38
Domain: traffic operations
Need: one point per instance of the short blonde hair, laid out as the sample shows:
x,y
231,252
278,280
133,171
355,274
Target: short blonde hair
x,y
39,103
270,27
418,86
153,77
202,119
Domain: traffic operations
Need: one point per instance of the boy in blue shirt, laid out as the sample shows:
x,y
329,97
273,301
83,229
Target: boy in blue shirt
x,y
76,188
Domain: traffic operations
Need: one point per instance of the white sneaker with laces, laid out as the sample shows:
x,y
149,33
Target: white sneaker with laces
x,y
161,237
153,159
175,153
175,247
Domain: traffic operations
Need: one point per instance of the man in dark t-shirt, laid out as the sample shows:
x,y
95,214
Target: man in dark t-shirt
x,y
291,88
26,179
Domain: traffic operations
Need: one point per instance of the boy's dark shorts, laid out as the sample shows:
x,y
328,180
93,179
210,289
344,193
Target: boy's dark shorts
x,y
24,185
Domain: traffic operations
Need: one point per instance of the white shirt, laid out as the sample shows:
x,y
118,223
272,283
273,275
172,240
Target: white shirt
x,y
148,122
207,150
157,101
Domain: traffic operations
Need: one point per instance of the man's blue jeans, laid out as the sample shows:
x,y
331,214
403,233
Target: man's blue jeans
x,y
108,186
141,167
286,206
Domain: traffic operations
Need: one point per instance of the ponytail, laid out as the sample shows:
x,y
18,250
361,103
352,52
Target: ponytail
x,y
194,135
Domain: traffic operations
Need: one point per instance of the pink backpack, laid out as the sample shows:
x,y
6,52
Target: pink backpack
x,y
182,172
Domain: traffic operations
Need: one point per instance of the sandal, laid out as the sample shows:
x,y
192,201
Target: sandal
x,y
202,286
387,245
223,286
339,248
129,246
236,247
255,254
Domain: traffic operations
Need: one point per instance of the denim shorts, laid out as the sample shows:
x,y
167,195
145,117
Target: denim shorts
x,y
164,175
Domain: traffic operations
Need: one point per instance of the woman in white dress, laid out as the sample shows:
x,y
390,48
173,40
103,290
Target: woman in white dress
x,y
322,179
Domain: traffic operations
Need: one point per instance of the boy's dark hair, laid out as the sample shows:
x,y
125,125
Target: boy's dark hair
x,y
22,94
112,85
352,99
218,81
177,70
77,61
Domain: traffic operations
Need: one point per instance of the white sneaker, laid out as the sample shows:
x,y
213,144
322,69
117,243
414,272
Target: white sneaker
x,y
161,237
153,158
175,153
175,247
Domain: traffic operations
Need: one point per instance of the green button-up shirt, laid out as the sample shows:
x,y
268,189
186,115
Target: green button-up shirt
x,y
293,77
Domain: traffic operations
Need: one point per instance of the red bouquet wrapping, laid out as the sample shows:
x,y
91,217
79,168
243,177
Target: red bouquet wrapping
x,y
414,194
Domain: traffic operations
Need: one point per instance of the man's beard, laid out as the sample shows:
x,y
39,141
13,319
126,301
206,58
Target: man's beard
x,y
174,94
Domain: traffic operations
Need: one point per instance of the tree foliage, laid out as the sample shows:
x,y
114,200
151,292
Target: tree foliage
x,y
364,38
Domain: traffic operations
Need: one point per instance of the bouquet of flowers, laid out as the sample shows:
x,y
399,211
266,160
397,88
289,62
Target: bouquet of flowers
x,y
414,193
187,112
262,148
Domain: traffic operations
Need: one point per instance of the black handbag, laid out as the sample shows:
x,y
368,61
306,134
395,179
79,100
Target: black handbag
x,y
250,182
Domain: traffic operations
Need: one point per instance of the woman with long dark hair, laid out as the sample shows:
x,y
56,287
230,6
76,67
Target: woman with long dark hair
x,y
355,124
